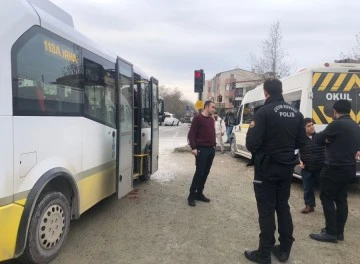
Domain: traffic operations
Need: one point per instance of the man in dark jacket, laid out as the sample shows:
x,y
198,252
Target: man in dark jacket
x,y
312,157
274,135
202,141
342,141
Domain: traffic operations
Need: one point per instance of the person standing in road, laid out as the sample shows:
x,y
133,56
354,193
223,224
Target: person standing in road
x,y
342,141
229,123
220,130
202,142
312,157
273,136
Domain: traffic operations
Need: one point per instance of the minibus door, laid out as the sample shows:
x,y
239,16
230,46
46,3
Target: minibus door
x,y
125,124
154,125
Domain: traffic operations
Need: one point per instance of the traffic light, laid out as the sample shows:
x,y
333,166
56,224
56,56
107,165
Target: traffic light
x,y
199,77
220,98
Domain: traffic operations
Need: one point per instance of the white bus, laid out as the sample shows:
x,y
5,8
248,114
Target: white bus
x,y
313,91
78,124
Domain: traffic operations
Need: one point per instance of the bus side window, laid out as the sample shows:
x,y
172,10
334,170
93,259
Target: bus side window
x,y
293,99
239,115
249,111
99,96
248,114
41,77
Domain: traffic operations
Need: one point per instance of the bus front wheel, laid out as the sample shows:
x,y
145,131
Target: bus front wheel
x,y
48,230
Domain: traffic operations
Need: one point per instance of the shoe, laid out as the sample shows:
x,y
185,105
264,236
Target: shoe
x,y
339,236
323,237
308,209
282,256
191,200
257,257
201,197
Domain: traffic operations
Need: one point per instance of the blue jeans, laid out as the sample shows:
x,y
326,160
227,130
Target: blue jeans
x,y
228,132
310,180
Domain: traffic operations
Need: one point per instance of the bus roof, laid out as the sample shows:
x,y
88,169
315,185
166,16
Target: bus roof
x,y
54,10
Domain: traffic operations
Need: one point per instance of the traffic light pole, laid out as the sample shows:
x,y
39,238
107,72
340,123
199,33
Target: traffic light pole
x,y
200,98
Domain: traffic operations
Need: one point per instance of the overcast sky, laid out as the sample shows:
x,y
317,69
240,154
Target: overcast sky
x,y
169,39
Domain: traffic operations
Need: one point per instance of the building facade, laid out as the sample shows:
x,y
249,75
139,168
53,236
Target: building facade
x,y
231,86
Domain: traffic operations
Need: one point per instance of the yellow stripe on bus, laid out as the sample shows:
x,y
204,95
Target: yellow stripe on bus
x,y
350,83
10,216
21,202
326,81
338,82
328,119
316,77
315,117
352,115
357,81
96,187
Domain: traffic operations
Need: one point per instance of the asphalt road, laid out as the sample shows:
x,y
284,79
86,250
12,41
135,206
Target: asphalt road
x,y
154,224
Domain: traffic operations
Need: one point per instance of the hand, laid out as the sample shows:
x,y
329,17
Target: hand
x,y
194,152
301,165
357,156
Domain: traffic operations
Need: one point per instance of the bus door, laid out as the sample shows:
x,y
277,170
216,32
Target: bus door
x,y
329,87
125,101
154,125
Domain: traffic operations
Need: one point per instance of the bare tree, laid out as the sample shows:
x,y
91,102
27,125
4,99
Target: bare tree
x,y
354,54
272,61
174,101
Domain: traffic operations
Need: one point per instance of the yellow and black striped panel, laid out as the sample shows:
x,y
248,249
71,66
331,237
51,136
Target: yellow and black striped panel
x,y
329,87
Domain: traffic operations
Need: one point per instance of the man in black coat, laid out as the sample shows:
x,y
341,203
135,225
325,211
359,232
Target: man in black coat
x,y
342,141
312,157
275,133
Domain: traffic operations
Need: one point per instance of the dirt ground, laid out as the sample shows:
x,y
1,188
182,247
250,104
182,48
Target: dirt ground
x,y
154,224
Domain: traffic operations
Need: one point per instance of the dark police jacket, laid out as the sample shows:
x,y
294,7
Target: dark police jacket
x,y
277,130
312,154
342,141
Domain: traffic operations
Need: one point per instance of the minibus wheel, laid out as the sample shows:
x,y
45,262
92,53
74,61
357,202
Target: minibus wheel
x,y
48,230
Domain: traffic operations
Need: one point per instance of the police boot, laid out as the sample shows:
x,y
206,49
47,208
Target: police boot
x,y
257,256
281,255
191,199
202,197
339,236
324,237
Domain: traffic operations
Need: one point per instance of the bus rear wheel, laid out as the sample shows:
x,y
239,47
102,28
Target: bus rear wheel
x,y
146,168
48,230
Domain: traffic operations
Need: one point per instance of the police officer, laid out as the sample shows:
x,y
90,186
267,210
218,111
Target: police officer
x,y
274,135
342,141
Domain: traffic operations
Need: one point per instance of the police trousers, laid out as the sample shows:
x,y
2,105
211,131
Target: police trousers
x,y
334,181
272,185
